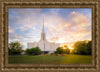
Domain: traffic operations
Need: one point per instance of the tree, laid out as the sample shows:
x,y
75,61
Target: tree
x,y
15,48
89,47
59,50
66,49
63,50
34,51
82,47
28,51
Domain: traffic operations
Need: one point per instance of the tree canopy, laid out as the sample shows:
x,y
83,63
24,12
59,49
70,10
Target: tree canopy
x,y
82,47
63,50
15,48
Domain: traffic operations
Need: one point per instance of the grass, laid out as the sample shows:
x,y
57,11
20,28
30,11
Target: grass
x,y
68,59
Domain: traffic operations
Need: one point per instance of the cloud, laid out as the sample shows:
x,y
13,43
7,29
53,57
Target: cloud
x,y
76,27
73,12
24,19
80,20
53,39
67,24
11,30
26,25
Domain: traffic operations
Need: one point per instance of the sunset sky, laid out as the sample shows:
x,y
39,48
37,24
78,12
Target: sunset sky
x,y
62,25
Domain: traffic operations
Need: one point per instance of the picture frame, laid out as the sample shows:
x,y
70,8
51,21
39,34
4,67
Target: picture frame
x,y
5,5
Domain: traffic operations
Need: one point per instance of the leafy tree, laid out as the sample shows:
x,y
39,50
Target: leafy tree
x,y
28,51
66,49
82,47
63,50
15,48
59,50
34,51
89,47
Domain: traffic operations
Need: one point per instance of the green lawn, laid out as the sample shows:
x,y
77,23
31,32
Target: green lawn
x,y
68,59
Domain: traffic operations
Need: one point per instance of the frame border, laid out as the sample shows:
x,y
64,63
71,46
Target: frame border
x,y
44,4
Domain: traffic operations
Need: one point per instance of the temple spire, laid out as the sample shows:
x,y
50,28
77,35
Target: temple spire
x,y
43,26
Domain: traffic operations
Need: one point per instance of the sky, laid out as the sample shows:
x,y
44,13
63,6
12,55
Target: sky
x,y
62,25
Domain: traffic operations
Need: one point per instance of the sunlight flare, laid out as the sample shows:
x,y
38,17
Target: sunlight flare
x,y
61,40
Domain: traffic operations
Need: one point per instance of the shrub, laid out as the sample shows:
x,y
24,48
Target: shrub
x,y
33,51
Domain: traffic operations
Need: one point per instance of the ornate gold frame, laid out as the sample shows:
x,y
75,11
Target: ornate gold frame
x,y
4,5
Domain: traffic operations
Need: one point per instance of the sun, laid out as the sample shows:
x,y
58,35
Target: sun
x,y
70,48
61,40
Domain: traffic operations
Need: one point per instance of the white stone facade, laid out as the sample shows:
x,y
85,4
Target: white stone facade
x,y
43,44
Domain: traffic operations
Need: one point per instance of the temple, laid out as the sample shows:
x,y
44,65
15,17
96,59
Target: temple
x,y
45,46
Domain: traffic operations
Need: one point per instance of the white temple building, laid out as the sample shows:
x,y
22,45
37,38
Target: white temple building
x,y
44,44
